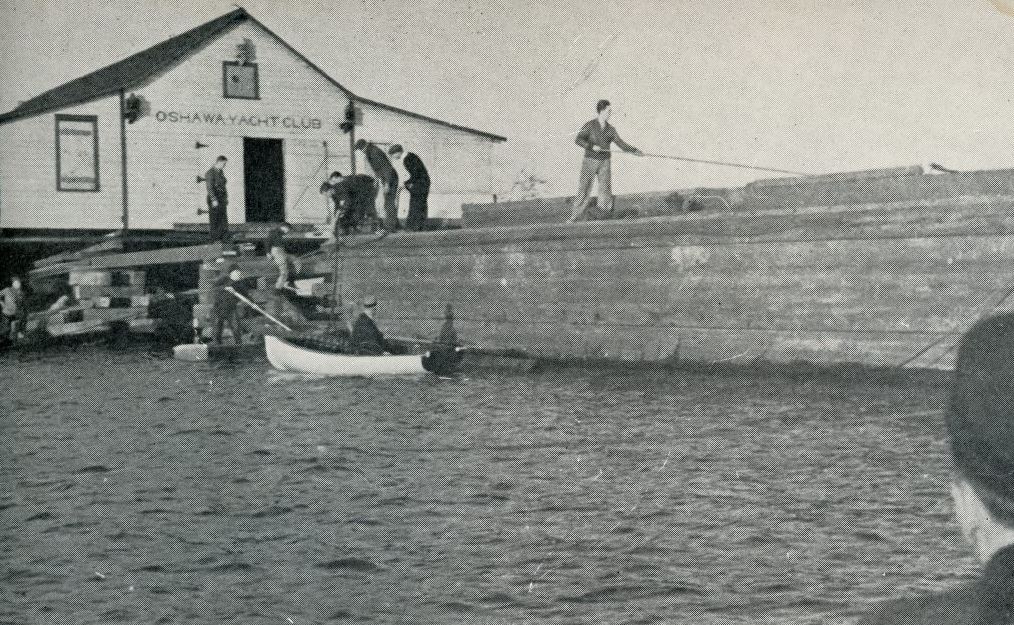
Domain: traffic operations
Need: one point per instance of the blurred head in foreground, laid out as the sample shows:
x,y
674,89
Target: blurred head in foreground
x,y
980,418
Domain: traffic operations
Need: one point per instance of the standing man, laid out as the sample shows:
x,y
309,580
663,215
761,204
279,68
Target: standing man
x,y
283,260
388,179
595,137
227,306
418,186
218,200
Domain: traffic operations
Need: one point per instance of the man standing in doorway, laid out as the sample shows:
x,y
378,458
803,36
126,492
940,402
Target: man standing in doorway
x,y
418,186
595,137
388,178
218,200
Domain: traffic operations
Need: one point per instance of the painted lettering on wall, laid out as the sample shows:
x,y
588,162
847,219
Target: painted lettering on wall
x,y
291,122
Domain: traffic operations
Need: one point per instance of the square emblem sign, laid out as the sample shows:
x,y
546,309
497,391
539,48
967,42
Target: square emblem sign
x,y
240,80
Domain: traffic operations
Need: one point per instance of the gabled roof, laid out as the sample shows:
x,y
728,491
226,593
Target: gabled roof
x,y
139,68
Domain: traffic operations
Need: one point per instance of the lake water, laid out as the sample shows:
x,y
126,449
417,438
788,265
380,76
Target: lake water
x,y
144,490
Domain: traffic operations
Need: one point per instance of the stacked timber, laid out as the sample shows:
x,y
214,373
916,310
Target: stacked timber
x,y
104,298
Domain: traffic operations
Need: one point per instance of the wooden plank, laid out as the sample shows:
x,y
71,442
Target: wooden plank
x,y
83,291
115,314
165,256
108,244
80,327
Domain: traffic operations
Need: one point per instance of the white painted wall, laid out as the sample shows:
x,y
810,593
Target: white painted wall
x,y
459,163
28,195
163,162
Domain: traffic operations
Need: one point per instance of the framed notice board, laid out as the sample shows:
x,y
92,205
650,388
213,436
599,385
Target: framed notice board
x,y
77,153
239,80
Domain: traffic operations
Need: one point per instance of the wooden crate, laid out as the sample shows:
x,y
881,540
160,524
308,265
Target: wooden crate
x,y
78,327
116,314
86,291
90,278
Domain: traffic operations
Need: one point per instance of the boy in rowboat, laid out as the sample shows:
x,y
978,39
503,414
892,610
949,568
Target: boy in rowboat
x,y
367,339
980,419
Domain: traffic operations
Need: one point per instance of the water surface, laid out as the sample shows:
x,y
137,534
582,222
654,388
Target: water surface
x,y
144,490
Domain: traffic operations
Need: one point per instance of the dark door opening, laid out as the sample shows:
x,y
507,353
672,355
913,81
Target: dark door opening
x,y
264,175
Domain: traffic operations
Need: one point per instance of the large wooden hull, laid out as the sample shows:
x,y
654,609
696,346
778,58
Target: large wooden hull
x,y
286,356
890,277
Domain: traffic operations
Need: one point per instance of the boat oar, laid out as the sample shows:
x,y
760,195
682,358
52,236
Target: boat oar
x,y
256,307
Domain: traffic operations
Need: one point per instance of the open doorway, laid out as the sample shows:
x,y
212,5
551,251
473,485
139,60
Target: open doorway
x,y
264,174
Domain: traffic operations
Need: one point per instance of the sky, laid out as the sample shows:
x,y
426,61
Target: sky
x,y
818,87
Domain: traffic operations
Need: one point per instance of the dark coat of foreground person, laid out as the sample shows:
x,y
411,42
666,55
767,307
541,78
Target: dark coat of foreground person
x,y
980,419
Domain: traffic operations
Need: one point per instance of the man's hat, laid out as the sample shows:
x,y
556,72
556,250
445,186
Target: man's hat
x,y
369,301
231,268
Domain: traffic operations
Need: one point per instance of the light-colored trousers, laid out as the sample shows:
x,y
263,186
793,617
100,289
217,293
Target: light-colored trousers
x,y
282,261
592,168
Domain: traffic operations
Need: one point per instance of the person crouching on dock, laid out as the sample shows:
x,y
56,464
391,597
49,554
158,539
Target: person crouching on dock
x,y
595,137
980,420
227,306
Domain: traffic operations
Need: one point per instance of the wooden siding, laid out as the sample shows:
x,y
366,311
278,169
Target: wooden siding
x,y
28,195
163,163
460,164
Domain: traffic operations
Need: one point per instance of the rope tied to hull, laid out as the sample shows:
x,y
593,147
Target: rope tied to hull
x,y
702,161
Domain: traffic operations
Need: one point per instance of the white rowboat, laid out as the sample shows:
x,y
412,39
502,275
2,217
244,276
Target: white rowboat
x,y
286,356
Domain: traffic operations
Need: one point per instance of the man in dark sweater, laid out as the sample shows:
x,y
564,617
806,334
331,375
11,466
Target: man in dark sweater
x,y
980,419
218,200
417,185
388,178
354,199
595,137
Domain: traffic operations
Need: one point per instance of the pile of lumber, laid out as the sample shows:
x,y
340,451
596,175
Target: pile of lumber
x,y
102,298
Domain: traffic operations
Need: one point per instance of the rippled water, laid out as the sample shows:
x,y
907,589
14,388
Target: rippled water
x,y
144,490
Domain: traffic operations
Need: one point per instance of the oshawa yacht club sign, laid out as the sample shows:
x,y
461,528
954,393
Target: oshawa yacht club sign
x,y
292,122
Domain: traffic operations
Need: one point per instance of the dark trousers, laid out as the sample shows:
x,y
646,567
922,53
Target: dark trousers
x,y
417,209
219,218
230,318
390,188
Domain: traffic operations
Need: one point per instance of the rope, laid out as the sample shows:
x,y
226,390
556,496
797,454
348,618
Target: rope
x,y
946,335
722,163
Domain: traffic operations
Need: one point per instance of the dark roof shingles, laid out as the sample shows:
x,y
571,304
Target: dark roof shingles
x,y
138,68
131,71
